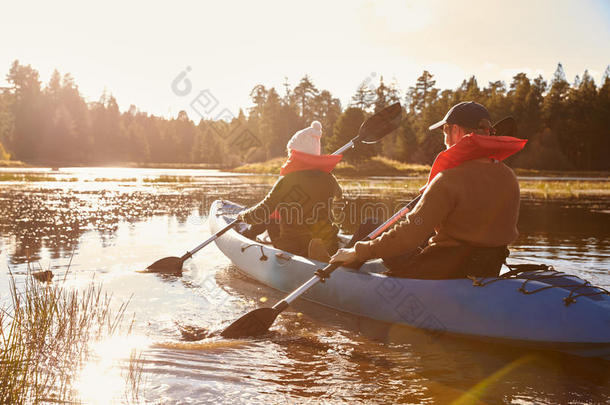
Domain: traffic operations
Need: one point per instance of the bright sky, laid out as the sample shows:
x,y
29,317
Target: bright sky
x,y
135,49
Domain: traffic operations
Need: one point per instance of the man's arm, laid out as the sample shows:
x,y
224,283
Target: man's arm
x,y
435,205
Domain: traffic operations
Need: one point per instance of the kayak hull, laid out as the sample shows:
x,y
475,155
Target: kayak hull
x,y
498,310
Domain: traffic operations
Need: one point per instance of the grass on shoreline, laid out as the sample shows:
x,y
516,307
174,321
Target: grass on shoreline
x,y
379,166
12,163
33,177
169,179
203,166
106,179
376,166
45,337
538,189
564,189
362,177
559,173
24,177
271,166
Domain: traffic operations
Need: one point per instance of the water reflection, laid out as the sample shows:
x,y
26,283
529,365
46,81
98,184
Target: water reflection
x,y
312,354
109,376
50,222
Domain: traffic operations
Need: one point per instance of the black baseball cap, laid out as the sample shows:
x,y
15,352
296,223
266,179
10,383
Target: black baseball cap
x,y
466,114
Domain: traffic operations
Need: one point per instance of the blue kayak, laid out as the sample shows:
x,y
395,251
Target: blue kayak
x,y
541,309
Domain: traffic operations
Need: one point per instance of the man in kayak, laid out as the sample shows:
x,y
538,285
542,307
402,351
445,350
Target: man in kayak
x,y
470,206
301,200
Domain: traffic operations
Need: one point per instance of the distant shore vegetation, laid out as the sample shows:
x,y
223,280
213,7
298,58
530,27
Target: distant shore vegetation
x,y
566,123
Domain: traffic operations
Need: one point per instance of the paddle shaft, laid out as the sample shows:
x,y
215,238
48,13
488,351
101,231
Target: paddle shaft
x,y
394,218
345,147
326,271
209,240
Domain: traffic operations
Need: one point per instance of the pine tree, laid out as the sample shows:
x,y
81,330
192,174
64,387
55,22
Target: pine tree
x,y
554,101
326,109
469,90
601,124
406,142
53,89
495,100
382,96
304,93
137,142
258,96
519,89
560,74
286,90
364,97
580,121
28,108
7,119
270,129
423,94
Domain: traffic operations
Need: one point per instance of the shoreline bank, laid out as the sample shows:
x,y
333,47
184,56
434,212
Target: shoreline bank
x,y
377,166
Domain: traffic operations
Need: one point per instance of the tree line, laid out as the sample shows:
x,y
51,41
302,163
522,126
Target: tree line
x,y
567,124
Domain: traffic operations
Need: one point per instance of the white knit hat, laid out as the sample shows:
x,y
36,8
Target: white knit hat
x,y
307,140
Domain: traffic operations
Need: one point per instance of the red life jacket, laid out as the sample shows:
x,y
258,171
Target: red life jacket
x,y
298,161
472,147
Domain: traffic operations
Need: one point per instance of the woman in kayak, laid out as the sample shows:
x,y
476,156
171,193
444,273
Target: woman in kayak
x,y
301,200
470,206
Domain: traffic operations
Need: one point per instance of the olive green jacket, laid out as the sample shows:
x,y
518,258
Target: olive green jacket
x,y
303,200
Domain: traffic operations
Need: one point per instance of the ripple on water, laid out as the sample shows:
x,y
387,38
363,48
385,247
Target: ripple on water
x,y
313,354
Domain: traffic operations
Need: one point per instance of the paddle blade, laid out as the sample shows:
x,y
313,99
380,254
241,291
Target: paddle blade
x,y
167,265
506,127
380,124
254,323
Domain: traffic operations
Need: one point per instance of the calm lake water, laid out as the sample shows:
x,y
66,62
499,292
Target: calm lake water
x,y
104,224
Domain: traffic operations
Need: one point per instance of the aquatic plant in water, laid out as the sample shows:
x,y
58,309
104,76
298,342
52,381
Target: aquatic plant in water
x,y
46,332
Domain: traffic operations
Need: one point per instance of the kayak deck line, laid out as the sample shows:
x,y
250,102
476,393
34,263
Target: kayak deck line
x,y
548,275
495,310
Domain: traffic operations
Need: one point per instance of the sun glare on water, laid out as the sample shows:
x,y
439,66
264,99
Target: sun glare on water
x,y
114,373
